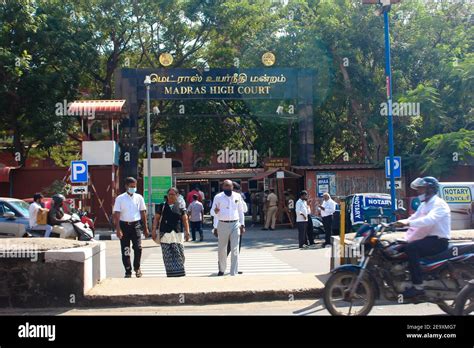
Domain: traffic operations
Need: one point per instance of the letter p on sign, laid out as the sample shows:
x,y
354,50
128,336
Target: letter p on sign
x,y
79,171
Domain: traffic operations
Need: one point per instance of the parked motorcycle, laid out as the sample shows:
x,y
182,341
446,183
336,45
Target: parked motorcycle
x,y
383,273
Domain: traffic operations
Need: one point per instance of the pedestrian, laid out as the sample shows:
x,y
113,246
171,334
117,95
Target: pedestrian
x,y
194,191
229,210
302,211
327,210
196,215
236,188
167,221
35,208
271,215
130,222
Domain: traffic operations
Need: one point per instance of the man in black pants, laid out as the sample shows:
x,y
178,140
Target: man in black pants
x,y
327,210
302,211
429,230
130,222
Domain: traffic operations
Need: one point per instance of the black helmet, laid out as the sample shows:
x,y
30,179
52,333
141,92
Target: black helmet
x,y
58,199
427,181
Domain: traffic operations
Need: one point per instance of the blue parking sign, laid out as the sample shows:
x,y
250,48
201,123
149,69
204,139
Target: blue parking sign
x,y
397,167
79,171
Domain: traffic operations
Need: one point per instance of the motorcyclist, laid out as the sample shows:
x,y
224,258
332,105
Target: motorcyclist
x,y
56,213
429,230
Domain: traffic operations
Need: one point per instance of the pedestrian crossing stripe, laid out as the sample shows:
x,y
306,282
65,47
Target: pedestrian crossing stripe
x,y
204,264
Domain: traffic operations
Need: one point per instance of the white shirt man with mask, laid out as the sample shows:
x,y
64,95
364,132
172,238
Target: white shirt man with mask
x,y
429,230
228,209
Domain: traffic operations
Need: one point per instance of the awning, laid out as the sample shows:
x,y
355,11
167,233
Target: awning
x,y
272,173
98,109
5,174
219,174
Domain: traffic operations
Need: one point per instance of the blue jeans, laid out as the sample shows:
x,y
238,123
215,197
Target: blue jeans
x,y
196,227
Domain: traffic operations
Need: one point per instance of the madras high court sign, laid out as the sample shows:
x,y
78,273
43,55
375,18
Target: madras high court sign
x,y
232,83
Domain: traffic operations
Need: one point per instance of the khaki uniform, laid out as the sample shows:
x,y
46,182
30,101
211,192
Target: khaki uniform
x,y
272,209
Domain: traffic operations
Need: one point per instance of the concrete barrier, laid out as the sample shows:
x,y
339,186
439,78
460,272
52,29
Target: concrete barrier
x,y
48,271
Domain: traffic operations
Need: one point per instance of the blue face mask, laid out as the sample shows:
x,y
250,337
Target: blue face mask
x,y
228,192
132,190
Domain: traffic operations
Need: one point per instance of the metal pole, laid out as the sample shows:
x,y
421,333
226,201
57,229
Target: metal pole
x,y
148,153
388,72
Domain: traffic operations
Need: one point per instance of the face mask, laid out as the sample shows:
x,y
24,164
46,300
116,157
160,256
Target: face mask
x,y
228,192
132,190
422,197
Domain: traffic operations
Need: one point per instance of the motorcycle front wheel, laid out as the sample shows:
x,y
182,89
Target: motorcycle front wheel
x,y
336,295
465,274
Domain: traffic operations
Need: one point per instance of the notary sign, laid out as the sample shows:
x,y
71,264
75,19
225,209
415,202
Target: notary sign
x,y
255,83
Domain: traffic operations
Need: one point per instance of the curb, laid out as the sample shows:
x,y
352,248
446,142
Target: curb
x,y
202,298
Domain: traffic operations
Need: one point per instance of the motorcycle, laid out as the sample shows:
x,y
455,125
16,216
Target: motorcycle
x,y
383,273
465,300
72,227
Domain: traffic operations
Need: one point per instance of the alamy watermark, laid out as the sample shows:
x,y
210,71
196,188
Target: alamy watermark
x,y
237,157
80,109
400,109
18,251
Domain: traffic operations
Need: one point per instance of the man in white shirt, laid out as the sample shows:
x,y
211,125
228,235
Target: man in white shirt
x,y
33,213
228,208
327,210
130,222
302,211
429,230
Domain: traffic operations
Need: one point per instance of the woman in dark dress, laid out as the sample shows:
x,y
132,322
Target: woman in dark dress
x,y
167,220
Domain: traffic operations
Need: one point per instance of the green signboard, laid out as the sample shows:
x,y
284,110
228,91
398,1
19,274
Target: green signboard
x,y
159,188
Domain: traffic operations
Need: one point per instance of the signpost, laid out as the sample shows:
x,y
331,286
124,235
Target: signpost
x,y
79,172
397,167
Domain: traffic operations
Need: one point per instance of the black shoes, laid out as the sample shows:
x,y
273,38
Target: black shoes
x,y
413,292
138,273
220,274
128,275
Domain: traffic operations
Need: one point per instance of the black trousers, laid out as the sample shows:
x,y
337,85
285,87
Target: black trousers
x,y
196,226
327,223
131,233
302,233
427,246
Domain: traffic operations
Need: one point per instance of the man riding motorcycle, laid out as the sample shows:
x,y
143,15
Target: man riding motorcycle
x,y
429,230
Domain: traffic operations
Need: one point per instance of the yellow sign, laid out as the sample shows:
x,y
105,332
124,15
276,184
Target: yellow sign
x,y
166,59
457,194
268,59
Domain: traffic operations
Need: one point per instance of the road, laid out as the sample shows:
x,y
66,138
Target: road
x,y
297,308
263,252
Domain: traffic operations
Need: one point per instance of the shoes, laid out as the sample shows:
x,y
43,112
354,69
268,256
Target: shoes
x,y
138,273
304,246
272,229
128,275
413,292
264,229
220,274
239,272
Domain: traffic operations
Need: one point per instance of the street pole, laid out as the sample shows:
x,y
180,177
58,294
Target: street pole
x,y
388,71
148,148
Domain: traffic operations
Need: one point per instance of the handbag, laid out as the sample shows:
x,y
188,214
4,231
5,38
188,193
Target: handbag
x,y
158,235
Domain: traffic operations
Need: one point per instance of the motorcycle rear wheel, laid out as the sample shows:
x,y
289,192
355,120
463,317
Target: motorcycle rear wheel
x,y
336,290
466,273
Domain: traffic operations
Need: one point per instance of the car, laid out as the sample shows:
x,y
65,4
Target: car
x,y
14,218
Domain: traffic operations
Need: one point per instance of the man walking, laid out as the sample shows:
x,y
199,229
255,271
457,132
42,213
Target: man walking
x,y
302,211
270,218
130,221
229,210
327,210
196,213
36,207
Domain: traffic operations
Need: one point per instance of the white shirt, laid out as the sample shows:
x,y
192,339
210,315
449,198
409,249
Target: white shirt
x,y
230,207
329,207
129,206
33,211
432,218
302,207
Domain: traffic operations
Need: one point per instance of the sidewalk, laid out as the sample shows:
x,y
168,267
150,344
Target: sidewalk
x,y
203,290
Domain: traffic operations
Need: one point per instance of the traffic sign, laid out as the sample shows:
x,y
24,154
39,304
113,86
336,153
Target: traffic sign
x,y
79,171
398,185
397,167
79,190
